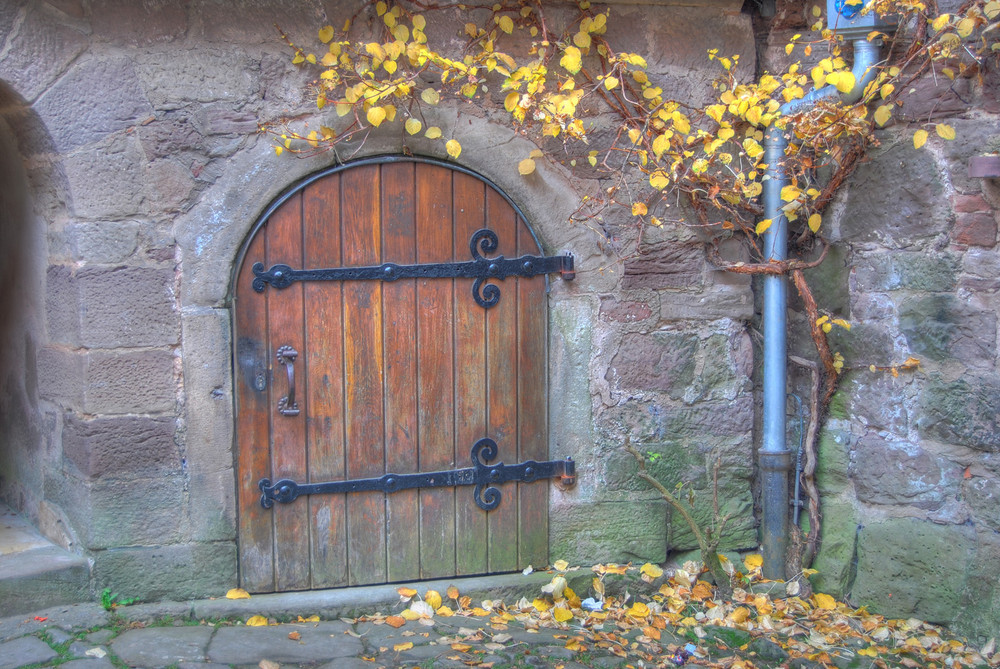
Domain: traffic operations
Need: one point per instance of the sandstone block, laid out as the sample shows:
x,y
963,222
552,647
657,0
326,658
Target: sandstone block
x,y
209,399
108,181
177,572
721,302
138,24
116,307
205,76
905,271
124,446
619,311
913,568
965,204
39,51
661,361
982,494
902,190
887,472
96,98
942,326
835,558
962,412
126,512
610,532
666,265
832,460
141,382
975,229
105,243
211,506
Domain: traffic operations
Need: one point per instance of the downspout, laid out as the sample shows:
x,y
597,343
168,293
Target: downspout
x,y
775,459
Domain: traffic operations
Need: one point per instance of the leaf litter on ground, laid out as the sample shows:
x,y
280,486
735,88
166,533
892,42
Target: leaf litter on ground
x,y
652,617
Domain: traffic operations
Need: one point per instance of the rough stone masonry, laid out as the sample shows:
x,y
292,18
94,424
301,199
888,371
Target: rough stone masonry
x,y
132,174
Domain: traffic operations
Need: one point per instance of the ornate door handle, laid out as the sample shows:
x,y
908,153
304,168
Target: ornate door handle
x,y
287,406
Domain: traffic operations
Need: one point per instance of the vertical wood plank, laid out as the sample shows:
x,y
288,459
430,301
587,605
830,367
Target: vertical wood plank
x,y
502,366
363,374
470,378
532,423
256,551
323,365
400,325
288,456
435,346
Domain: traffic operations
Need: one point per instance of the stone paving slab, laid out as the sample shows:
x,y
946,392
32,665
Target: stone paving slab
x,y
317,642
162,646
24,651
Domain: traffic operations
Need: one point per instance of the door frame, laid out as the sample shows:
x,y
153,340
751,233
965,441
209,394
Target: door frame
x,y
297,187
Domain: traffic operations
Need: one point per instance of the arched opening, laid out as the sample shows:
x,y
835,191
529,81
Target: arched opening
x,y
393,379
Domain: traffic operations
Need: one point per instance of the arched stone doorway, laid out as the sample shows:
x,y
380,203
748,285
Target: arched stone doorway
x,y
393,377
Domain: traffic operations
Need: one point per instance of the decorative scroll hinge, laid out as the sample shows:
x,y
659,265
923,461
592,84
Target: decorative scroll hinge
x,y
481,475
479,268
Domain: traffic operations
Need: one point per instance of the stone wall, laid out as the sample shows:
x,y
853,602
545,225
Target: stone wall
x,y
908,464
140,175
146,174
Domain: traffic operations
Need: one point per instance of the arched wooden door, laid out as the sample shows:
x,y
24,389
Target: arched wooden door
x,y
390,377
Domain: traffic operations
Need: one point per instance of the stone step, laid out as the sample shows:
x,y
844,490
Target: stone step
x,y
34,572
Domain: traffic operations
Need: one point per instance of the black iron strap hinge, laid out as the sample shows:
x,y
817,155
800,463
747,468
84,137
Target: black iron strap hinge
x,y
481,475
479,268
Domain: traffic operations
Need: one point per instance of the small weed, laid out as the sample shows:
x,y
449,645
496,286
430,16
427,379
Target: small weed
x,y
110,600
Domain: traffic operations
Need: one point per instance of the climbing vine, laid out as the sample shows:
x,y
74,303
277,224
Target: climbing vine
x,y
551,74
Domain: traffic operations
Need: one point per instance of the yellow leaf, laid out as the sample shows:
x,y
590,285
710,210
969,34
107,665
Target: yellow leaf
x,y
886,90
883,114
824,601
755,560
278,150
561,565
763,226
311,58
610,83
827,327
433,132
510,102
651,570
638,610
739,614
639,209
406,645
325,34
430,96
582,40
965,27
409,614
843,80
814,222
571,60
871,651
661,144
256,621
790,193
526,167
433,597
412,126
634,135
310,619
541,605
919,138
842,323
575,645
453,148
444,611
561,614
297,58
375,116
945,131
406,592
659,180
237,593
506,24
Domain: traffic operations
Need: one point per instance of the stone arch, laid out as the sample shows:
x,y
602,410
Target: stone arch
x,y
22,327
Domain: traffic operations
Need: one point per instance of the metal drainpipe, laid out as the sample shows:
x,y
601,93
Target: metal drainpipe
x,y
774,458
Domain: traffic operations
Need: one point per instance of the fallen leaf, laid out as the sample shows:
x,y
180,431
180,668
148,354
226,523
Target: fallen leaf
x,y
294,636
310,619
561,565
406,592
453,592
406,645
256,621
395,621
433,598
41,619
824,601
95,652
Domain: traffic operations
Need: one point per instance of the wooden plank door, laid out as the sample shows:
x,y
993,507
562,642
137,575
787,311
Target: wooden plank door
x,y
391,377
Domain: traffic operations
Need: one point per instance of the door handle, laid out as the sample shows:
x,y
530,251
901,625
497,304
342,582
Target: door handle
x,y
287,406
